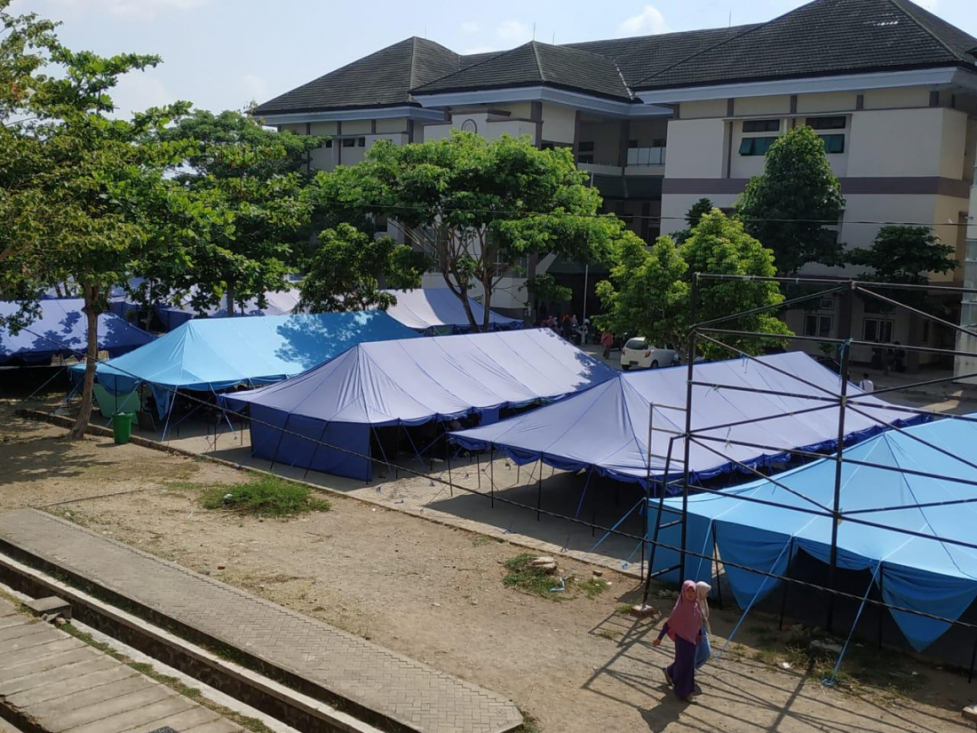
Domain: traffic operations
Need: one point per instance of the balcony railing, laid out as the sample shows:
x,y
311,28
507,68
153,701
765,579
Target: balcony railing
x,y
646,156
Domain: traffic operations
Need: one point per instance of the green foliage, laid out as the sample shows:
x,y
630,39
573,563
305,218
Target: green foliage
x,y
719,245
593,587
477,209
523,576
546,289
786,208
904,254
345,272
265,496
647,293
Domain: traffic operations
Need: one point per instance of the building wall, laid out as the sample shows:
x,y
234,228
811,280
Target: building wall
x,y
559,123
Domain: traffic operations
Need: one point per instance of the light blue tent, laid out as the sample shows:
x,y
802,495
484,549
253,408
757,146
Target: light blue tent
x,y
439,311
921,573
606,428
210,355
309,421
61,329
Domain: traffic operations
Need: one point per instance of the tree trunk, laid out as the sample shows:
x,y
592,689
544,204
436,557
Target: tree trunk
x,y
462,295
77,432
230,300
487,305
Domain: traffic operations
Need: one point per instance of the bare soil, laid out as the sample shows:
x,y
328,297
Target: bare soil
x,y
435,593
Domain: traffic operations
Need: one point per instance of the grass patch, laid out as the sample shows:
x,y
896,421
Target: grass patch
x,y
625,610
593,587
529,724
264,496
523,576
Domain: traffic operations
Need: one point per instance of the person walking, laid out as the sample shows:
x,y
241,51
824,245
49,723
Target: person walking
x,y
703,650
684,628
866,385
607,341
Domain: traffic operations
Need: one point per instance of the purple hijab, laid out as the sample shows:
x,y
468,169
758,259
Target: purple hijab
x,y
686,618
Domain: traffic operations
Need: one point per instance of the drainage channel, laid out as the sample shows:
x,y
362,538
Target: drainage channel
x,y
175,657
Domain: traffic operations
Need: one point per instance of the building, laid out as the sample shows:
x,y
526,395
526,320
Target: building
x,y
661,121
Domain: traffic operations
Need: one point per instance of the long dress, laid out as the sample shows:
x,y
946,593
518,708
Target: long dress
x,y
682,670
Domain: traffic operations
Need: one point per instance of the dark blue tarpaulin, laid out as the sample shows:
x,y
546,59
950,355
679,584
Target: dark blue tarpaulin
x,y
214,354
62,330
920,573
409,383
606,428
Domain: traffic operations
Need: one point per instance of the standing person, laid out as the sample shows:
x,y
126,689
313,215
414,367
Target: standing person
x,y
866,385
684,627
607,341
703,650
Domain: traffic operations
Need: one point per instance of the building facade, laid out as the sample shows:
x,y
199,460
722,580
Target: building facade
x,y
659,122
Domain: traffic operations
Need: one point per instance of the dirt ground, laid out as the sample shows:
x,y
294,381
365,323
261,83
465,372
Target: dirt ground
x,y
435,593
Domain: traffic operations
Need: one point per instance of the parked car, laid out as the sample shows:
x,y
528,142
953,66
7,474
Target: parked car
x,y
637,352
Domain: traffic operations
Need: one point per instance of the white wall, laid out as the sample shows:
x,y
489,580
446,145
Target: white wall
x,y
695,148
558,123
903,142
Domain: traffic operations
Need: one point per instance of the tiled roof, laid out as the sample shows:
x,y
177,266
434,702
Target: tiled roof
x,y
381,79
821,38
825,37
536,63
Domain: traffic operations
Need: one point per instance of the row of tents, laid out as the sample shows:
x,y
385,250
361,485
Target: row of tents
x,y
320,387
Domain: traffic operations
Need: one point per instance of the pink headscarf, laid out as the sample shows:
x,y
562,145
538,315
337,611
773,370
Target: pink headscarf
x,y
686,618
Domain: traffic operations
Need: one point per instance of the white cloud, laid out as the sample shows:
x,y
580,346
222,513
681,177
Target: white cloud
x,y
479,49
137,92
649,21
514,32
256,88
469,27
136,9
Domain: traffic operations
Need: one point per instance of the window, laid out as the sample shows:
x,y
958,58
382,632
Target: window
x,y
585,152
548,146
833,144
878,331
633,144
819,326
329,143
658,142
349,142
761,126
877,306
361,142
380,224
756,145
826,304
827,123
636,344
469,126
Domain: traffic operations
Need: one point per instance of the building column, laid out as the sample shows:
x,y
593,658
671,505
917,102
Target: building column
x,y
338,145
536,115
622,145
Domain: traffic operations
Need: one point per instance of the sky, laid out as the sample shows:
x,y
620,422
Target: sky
x,y
223,54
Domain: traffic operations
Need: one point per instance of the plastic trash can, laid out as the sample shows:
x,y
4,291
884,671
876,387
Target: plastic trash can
x,y
122,427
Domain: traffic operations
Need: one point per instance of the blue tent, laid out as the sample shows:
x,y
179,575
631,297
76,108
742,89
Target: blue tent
x,y
438,311
62,330
215,354
919,573
606,428
409,383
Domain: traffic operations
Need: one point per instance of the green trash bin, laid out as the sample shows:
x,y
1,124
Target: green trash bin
x,y
122,427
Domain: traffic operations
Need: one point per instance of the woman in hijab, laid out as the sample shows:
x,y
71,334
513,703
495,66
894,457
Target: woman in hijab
x,y
703,650
684,627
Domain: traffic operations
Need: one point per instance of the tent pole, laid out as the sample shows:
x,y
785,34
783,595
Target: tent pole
x,y
690,377
783,601
539,490
881,608
716,559
973,656
447,451
658,521
846,325
492,475
478,471
644,511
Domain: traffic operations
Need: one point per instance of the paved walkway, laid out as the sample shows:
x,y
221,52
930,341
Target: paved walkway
x,y
399,690
59,683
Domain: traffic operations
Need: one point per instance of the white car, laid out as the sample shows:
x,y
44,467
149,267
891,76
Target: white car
x,y
638,353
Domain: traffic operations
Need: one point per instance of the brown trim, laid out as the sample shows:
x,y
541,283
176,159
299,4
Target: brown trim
x,y
410,131
308,155
934,99
730,107
793,104
859,102
728,163
338,145
373,127
536,115
895,185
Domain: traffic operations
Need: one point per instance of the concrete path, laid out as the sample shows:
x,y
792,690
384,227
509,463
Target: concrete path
x,y
60,684
385,688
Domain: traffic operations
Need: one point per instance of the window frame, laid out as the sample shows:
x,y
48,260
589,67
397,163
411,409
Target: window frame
x,y
828,122
764,125
822,325
749,145
833,138
879,325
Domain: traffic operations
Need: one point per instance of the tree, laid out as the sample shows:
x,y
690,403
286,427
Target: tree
x,y
720,245
477,209
648,291
76,187
787,208
692,217
255,180
904,254
346,270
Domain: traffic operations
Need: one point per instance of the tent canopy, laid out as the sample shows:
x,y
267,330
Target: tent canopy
x,y
606,428
408,383
215,354
438,309
923,574
276,304
63,331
